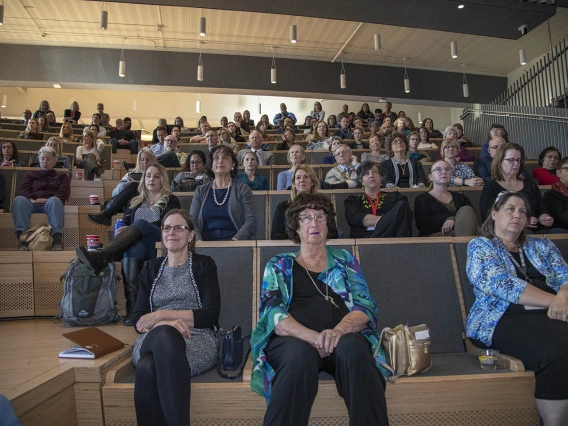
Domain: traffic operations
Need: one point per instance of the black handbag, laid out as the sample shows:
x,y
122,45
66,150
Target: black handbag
x,y
231,356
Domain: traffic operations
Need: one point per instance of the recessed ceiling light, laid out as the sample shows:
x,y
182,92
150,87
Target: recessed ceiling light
x,y
461,6
57,85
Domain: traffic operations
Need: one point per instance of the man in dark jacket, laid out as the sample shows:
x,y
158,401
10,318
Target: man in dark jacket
x,y
43,191
123,138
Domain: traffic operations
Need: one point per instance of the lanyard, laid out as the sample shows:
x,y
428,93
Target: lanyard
x,y
522,267
375,205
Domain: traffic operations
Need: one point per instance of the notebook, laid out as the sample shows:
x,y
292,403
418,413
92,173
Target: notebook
x,y
91,343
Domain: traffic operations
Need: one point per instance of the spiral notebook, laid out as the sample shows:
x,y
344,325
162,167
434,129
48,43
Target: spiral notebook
x,y
91,343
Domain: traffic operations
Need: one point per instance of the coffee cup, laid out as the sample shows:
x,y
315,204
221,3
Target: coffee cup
x,y
94,199
79,175
92,242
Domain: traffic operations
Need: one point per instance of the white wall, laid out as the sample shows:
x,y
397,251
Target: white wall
x,y
155,105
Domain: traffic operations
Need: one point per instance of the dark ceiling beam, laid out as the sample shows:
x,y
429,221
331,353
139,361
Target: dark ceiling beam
x,y
491,18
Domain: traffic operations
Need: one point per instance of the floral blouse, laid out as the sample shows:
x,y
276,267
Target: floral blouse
x,y
462,171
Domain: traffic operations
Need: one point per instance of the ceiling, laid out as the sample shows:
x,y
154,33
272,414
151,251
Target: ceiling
x,y
76,23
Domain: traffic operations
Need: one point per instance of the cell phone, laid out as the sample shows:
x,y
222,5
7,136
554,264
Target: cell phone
x,y
135,176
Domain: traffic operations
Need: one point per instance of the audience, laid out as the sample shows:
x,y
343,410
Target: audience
x,y
413,152
223,209
256,182
400,171
296,156
163,125
365,113
556,199
105,118
462,175
387,113
358,137
226,139
255,140
66,133
158,147
425,139
32,131
346,169
242,129
344,131
495,130
288,139
374,154
88,156
279,118
332,121
335,142
548,160
72,115
440,212
192,174
428,124
43,109
9,156
482,165
204,127
232,127
42,191
123,138
247,122
375,213
318,113
62,160
319,139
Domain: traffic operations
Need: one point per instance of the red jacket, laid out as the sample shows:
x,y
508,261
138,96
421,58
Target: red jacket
x,y
40,184
544,177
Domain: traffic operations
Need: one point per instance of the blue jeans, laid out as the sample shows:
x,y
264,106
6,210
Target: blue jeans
x,y
132,146
7,415
22,209
146,247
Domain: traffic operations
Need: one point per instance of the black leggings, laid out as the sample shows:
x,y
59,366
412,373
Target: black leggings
x,y
541,344
297,364
162,388
120,201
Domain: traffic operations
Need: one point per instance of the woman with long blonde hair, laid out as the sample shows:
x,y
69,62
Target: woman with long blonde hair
x,y
136,242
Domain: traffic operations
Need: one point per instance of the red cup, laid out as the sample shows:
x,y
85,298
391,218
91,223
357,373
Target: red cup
x,y
116,162
92,242
79,175
94,199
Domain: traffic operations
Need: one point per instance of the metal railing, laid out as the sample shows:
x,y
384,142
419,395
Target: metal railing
x,y
545,84
535,128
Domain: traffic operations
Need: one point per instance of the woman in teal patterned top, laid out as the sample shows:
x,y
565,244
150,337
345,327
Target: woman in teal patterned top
x,y
521,301
316,314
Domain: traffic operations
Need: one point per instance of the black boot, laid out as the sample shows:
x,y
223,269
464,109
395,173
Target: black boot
x,y
127,166
118,203
57,242
100,218
131,267
114,250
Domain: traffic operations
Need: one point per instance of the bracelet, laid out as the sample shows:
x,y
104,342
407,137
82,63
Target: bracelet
x,y
352,324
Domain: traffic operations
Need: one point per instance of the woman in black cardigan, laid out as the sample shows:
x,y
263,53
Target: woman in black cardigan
x,y
136,242
440,212
176,311
400,171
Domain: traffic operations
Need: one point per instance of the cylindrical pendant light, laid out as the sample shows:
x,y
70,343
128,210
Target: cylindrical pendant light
x,y
198,104
1,14
4,101
377,41
293,33
104,19
259,108
122,63
202,26
273,69
465,86
135,104
406,79
420,117
523,56
342,77
200,69
454,49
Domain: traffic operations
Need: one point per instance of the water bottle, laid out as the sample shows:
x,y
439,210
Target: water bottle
x,y
119,224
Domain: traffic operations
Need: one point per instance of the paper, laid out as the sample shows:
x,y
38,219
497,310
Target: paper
x,y
422,335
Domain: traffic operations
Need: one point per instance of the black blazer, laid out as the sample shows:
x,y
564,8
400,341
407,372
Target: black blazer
x,y
205,274
67,114
430,215
557,205
173,203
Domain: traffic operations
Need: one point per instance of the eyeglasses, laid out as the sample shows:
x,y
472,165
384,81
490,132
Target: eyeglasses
x,y
177,228
495,146
552,157
320,217
195,162
440,170
512,160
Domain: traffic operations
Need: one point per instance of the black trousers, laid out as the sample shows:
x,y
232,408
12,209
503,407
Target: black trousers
x,y
297,365
169,159
121,201
132,146
162,387
396,223
542,344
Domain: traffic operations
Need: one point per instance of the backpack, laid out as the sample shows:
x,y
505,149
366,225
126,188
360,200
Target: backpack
x,y
88,299
38,237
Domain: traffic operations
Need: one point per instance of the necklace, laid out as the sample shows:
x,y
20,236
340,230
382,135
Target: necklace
x,y
403,168
326,296
226,194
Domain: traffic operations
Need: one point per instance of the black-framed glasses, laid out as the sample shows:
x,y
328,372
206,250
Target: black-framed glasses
x,y
166,229
512,160
440,170
195,162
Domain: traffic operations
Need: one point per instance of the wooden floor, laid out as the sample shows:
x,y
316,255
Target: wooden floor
x,y
31,374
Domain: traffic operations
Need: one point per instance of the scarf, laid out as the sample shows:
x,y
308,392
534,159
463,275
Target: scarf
x,y
561,188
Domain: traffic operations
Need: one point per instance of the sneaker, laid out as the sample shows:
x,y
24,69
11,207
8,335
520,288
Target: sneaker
x,y
23,246
57,246
99,218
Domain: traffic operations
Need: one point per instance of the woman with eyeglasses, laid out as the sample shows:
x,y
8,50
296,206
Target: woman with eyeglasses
x,y
521,300
548,160
176,312
224,208
440,212
401,171
318,112
192,174
332,122
135,242
506,175
316,314
462,174
376,213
